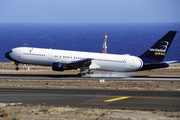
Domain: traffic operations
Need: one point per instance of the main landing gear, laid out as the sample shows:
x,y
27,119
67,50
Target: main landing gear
x,y
83,69
16,63
81,72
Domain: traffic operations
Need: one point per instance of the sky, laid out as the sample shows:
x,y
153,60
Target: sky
x,y
89,11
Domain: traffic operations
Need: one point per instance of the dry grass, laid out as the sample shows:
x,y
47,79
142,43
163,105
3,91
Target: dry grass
x,y
126,85
4,113
47,112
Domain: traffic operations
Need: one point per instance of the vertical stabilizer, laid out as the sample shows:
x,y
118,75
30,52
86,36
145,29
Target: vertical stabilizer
x,y
158,51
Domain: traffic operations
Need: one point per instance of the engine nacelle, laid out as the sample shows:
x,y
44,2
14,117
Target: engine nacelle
x,y
57,66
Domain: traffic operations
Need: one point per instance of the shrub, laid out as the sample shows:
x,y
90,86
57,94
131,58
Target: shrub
x,y
4,113
26,105
103,114
154,110
43,104
16,118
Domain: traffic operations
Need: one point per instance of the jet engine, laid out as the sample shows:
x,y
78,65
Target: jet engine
x,y
57,66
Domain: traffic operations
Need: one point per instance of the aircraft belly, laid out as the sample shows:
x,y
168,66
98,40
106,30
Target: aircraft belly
x,y
112,66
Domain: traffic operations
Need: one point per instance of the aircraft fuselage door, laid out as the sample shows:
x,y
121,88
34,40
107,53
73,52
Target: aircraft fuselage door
x,y
132,63
50,56
19,53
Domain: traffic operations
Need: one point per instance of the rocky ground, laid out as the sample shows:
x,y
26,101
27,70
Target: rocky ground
x,y
43,112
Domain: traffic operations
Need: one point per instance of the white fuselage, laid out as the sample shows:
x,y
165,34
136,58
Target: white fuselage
x,y
101,61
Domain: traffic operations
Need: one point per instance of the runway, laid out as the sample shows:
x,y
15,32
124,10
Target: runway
x,y
76,77
123,99
120,99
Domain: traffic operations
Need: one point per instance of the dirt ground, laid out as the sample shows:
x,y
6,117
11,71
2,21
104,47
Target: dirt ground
x,y
126,85
43,112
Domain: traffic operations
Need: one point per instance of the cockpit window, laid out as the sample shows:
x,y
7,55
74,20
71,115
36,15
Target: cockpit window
x,y
10,51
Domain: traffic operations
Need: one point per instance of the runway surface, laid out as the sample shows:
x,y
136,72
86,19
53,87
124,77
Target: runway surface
x,y
146,100
76,77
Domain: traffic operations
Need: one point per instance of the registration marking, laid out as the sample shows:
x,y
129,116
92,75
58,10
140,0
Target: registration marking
x,y
119,98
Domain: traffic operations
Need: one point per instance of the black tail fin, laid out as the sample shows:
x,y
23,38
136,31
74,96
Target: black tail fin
x,y
158,51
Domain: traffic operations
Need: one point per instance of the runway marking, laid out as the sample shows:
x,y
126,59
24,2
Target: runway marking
x,y
119,98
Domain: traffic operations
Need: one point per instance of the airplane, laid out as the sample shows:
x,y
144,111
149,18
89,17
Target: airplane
x,y
61,60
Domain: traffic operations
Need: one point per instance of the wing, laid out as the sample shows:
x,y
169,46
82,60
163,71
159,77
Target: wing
x,y
80,63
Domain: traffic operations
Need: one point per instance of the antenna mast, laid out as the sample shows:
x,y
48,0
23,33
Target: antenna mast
x,y
104,48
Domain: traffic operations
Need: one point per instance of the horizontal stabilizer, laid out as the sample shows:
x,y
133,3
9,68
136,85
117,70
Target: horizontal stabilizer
x,y
170,62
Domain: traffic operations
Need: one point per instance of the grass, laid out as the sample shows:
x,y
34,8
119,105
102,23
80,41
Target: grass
x,y
45,110
78,112
51,106
8,80
133,85
43,104
8,104
154,110
16,118
103,114
67,106
38,105
68,83
27,105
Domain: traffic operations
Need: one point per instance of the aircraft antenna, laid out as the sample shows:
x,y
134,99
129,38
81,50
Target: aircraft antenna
x,y
25,44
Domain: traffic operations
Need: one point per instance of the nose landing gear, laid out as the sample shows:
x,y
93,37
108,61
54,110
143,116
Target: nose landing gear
x,y
16,63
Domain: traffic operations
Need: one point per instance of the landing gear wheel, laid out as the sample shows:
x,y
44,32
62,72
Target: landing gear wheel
x,y
16,63
83,69
89,71
79,74
17,68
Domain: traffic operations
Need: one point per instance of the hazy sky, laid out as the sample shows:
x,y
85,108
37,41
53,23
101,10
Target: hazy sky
x,y
89,11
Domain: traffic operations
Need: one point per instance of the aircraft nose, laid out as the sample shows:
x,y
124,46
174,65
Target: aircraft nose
x,y
7,56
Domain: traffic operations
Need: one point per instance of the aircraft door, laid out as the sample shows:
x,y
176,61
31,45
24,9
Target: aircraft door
x,y
18,53
132,63
50,56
